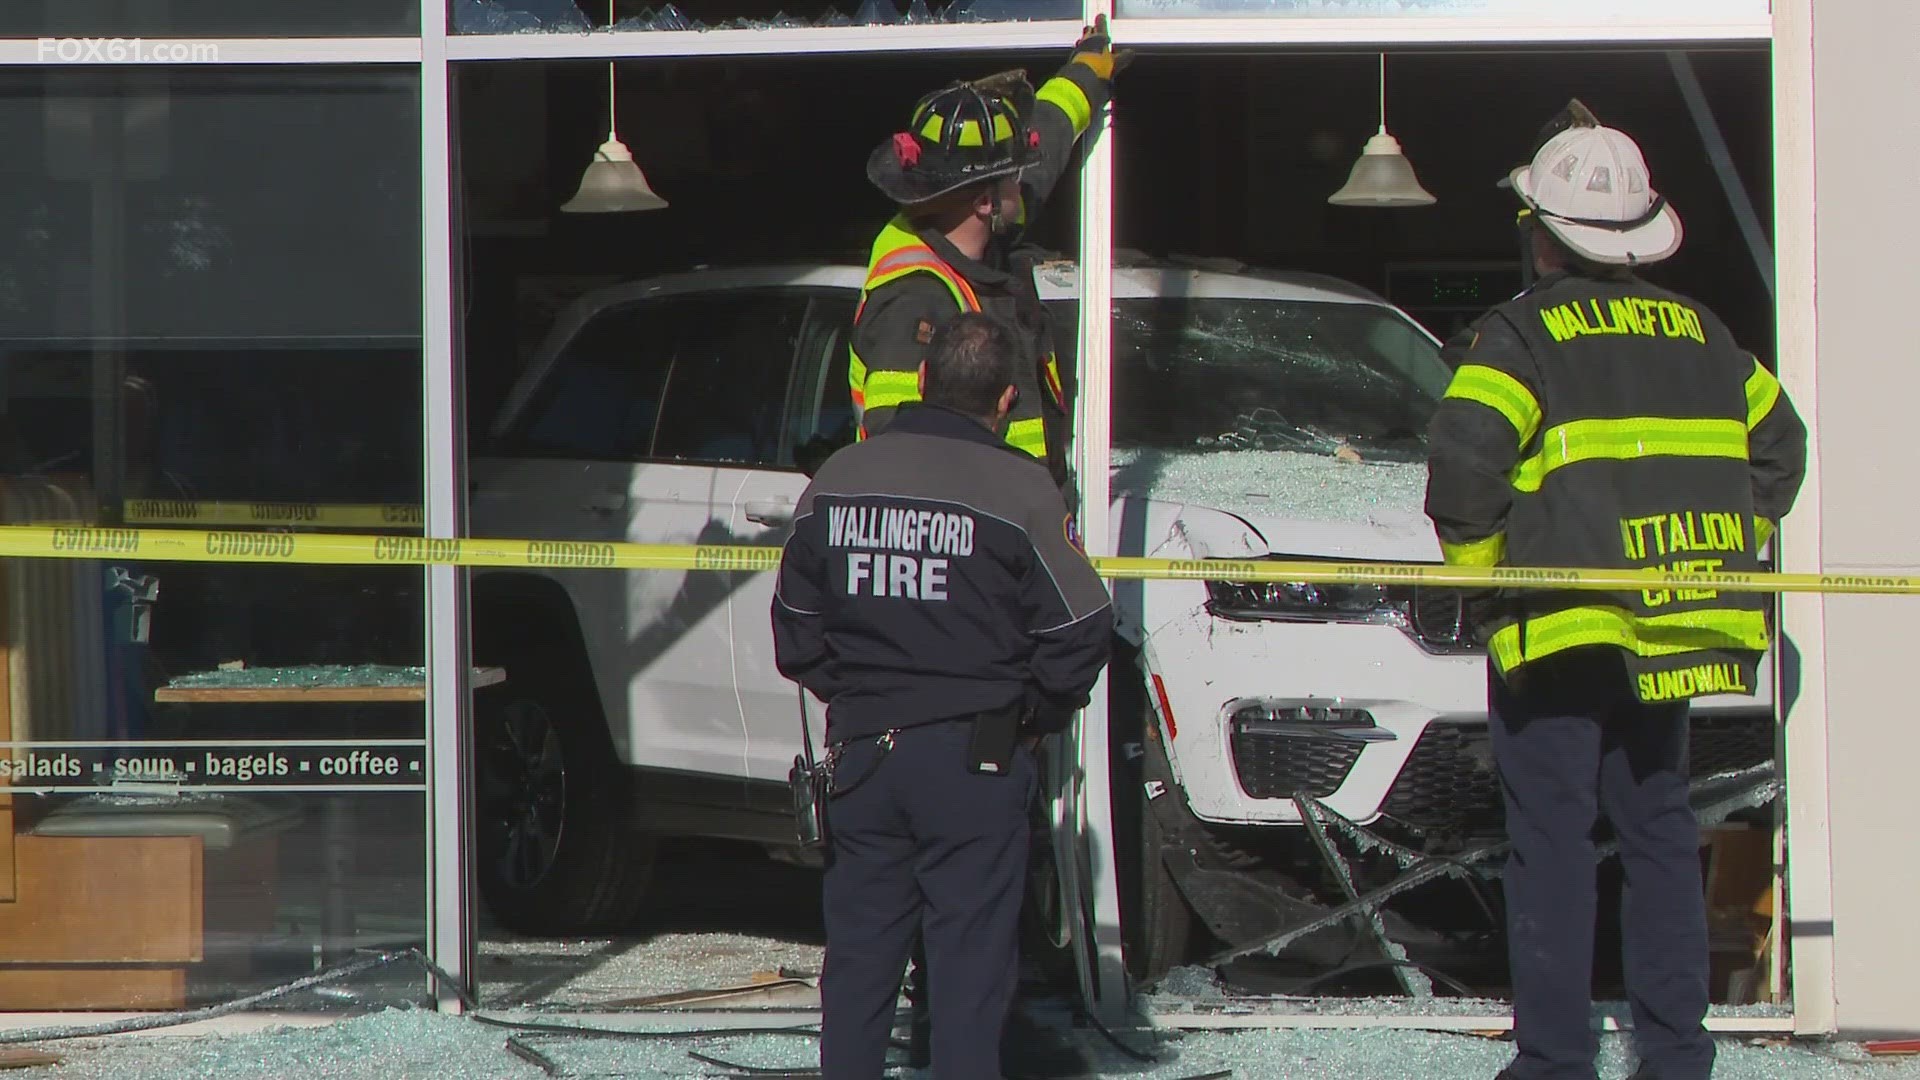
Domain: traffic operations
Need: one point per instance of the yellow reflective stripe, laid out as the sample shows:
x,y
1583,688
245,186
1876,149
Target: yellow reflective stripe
x,y
933,127
1029,435
885,389
856,372
1069,99
1500,392
1652,636
1627,439
1762,391
1763,530
970,131
1486,552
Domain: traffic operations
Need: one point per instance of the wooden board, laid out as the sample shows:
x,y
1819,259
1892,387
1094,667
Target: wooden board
x,y
58,989
25,1057
6,851
316,695
105,900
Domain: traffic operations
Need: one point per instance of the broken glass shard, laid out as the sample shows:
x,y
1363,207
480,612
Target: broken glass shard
x,y
670,17
1011,10
918,12
877,11
834,17
666,17
517,17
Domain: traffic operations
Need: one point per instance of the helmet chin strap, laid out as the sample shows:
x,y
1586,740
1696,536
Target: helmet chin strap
x,y
1523,227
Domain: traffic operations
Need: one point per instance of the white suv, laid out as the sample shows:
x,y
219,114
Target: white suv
x,y
1255,415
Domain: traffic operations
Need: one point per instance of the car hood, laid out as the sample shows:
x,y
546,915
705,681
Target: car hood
x,y
1253,504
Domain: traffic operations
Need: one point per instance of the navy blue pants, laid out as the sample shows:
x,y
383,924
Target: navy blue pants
x,y
923,845
1570,741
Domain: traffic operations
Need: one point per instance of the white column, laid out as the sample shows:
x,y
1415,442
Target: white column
x,y
1863,260
1809,920
449,915
1093,426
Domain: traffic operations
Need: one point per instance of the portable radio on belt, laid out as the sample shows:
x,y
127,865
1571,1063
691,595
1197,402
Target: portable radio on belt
x,y
811,783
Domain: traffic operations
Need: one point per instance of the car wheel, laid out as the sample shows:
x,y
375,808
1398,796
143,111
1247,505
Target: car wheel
x,y
1157,924
551,812
1162,923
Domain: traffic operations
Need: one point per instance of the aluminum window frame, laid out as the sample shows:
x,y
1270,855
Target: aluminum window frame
x,y
1101,969
450,900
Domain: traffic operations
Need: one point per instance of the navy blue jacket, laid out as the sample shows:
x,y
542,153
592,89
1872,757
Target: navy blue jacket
x,y
932,574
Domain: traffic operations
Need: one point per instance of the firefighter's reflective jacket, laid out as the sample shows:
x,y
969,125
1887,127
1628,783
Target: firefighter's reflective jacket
x,y
1604,422
916,281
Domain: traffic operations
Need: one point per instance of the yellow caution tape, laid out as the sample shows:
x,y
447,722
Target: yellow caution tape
x,y
1434,575
77,541
323,515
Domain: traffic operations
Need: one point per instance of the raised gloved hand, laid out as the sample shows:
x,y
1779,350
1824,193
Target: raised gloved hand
x,y
1095,50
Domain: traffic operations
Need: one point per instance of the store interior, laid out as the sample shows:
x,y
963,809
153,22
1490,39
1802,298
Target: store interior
x,y
1224,158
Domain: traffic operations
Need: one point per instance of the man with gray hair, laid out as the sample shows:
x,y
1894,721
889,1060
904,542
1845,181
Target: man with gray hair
x,y
933,596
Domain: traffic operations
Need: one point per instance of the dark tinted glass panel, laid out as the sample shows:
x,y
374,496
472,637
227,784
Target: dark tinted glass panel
x,y
209,319
211,18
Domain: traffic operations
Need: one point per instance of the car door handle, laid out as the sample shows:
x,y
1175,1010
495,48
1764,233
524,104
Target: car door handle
x,y
770,511
607,503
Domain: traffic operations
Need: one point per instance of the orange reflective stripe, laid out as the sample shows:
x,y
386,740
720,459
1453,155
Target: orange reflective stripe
x,y
1053,382
923,258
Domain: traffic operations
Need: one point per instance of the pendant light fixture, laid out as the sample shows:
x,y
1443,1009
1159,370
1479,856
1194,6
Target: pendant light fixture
x,y
1382,176
612,182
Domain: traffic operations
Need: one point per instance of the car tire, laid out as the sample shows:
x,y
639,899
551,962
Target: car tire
x,y
556,854
1157,924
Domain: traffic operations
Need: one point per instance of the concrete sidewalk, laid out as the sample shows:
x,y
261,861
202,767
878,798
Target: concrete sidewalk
x,y
407,1044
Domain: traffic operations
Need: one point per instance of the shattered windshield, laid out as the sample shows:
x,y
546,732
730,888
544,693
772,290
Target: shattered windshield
x,y
1225,374
1310,411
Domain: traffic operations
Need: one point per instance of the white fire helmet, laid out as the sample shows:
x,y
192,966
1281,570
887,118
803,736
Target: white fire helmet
x,y
1590,186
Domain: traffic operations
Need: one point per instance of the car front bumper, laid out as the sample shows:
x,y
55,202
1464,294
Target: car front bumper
x,y
1236,690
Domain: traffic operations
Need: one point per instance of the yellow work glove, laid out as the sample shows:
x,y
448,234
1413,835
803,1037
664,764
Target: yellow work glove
x,y
1095,50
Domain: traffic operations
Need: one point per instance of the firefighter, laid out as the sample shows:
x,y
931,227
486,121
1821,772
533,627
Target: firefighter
x,y
933,595
976,162
1597,420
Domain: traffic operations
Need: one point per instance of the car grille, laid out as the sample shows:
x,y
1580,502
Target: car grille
x,y
1449,784
1277,766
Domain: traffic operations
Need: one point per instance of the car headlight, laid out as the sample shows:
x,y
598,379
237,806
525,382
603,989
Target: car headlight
x,y
1435,618
1302,600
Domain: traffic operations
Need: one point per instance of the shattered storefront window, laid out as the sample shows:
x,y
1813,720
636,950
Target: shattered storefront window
x,y
1363,867
1543,10
564,16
